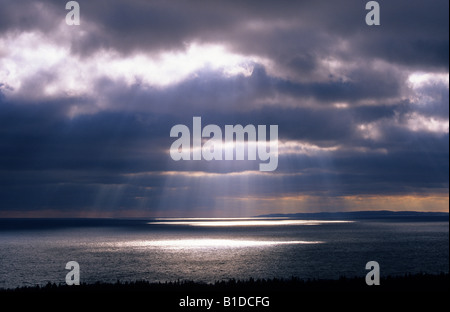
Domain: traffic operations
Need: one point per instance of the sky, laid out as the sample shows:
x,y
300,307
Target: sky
x,y
86,111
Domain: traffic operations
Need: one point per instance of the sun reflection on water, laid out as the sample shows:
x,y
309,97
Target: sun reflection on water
x,y
242,222
224,242
209,243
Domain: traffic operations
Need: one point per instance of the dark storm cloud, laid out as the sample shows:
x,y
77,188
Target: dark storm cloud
x,y
112,155
92,160
419,37
295,34
212,91
28,15
41,137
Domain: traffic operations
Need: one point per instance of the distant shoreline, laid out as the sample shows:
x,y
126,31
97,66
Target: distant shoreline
x,y
365,215
14,224
345,215
409,282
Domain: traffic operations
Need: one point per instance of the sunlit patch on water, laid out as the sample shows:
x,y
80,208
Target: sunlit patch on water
x,y
243,222
208,243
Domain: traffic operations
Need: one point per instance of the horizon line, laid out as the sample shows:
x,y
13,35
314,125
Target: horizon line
x,y
270,215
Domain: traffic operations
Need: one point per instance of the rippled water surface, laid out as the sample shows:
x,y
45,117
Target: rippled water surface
x,y
210,250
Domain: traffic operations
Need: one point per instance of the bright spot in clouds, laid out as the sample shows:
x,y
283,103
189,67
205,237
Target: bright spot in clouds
x,y
419,123
31,55
419,79
172,67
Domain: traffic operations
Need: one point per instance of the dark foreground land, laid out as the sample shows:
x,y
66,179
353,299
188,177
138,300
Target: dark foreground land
x,y
417,282
351,294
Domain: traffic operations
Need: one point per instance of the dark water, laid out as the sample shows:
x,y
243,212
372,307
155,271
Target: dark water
x,y
36,252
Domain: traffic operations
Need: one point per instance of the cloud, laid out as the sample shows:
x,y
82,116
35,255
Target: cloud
x,y
86,112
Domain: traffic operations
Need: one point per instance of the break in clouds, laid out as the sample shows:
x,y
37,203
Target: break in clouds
x,y
86,111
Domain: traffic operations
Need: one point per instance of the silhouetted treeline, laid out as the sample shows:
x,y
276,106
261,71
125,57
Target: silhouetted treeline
x,y
416,282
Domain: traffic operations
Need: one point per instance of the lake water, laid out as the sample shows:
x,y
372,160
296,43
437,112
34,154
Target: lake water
x,y
36,251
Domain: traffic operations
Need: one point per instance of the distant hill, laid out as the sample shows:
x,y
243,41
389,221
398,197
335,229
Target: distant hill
x,y
366,215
